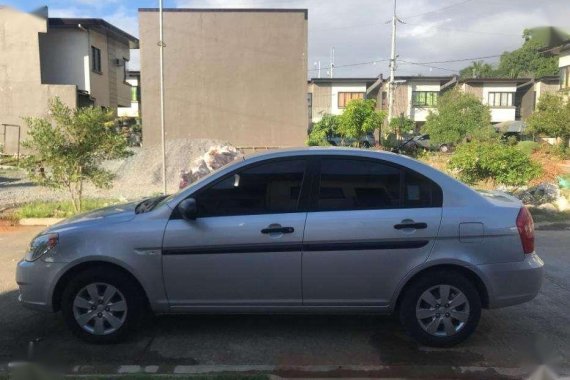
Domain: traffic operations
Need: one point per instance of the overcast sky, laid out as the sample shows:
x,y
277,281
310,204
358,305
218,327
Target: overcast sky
x,y
432,30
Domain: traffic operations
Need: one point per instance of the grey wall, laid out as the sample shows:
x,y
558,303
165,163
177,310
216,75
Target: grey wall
x,y
238,76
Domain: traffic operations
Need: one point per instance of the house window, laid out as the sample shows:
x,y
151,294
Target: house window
x,y
424,98
500,99
345,97
310,105
96,59
565,77
134,94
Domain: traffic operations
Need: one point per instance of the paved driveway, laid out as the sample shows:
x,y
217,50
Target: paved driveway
x,y
505,338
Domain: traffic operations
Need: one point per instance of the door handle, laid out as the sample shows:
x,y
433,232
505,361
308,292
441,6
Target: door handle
x,y
278,230
415,226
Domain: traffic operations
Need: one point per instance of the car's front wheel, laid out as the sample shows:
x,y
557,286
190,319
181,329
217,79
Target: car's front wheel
x,y
102,305
441,308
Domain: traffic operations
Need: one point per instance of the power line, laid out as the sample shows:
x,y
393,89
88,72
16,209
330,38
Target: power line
x,y
413,63
437,10
428,65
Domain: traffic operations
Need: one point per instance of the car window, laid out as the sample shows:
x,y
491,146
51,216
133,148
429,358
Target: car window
x,y
420,191
357,185
347,184
269,188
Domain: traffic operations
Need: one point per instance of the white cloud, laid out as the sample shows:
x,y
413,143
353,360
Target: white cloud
x,y
434,30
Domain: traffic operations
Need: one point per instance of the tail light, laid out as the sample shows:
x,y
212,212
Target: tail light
x,y
525,225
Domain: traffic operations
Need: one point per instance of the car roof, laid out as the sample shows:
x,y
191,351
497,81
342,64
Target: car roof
x,y
318,151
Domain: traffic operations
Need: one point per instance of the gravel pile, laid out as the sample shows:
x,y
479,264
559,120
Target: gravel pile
x,y
137,176
141,174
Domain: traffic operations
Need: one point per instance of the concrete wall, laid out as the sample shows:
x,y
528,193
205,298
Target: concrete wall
x,y
239,76
322,95
62,56
22,93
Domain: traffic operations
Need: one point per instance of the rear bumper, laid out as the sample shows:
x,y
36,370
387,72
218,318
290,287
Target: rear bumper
x,y
513,283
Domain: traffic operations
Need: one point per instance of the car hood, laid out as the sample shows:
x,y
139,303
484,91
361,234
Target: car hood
x,y
112,214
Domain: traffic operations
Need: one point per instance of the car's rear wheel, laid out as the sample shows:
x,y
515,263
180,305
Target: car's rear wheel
x,y
102,305
441,308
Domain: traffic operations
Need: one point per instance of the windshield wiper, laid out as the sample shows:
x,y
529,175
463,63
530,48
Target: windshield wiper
x,y
148,204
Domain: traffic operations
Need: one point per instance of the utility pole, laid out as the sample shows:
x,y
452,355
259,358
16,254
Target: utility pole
x,y
331,71
318,66
391,84
162,129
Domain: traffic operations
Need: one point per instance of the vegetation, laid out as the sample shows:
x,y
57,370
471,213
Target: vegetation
x,y
493,161
526,61
53,209
326,127
458,116
528,147
551,119
69,146
360,118
402,125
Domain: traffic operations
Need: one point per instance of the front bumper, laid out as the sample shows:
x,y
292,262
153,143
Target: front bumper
x,y
513,283
36,281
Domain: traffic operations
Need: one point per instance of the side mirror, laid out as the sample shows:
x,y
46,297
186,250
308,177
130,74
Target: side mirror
x,y
188,209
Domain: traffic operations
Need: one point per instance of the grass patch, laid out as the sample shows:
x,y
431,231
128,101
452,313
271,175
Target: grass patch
x,y
540,215
61,209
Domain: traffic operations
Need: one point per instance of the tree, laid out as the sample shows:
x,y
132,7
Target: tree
x,y
458,116
527,61
360,118
552,118
322,130
69,147
478,69
402,125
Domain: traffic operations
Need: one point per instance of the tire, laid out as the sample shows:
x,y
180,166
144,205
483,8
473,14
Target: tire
x,y
443,326
365,145
126,305
444,148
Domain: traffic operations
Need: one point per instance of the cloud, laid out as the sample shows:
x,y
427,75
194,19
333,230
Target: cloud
x,y
433,30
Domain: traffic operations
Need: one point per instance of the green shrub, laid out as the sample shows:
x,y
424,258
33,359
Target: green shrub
x,y
327,126
500,163
528,147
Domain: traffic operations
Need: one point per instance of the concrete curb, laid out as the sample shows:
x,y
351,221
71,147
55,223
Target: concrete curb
x,y
303,371
39,221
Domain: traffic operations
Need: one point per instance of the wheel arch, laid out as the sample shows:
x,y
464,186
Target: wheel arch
x,y
467,272
90,265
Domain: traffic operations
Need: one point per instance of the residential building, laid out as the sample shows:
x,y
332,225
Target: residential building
x,y
414,96
132,112
81,61
564,65
529,93
237,75
330,95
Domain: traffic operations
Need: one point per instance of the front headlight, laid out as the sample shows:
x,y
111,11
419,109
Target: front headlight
x,y
42,245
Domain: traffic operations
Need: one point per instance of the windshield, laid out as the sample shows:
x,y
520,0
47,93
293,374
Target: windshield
x,y
166,199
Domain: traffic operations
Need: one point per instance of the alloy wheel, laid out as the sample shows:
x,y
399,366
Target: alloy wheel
x,y
100,309
442,310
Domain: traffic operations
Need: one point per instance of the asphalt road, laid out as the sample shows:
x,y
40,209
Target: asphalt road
x,y
505,340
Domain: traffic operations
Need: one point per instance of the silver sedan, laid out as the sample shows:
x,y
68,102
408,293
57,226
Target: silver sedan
x,y
294,231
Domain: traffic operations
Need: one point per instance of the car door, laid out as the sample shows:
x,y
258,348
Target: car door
x,y
369,224
244,248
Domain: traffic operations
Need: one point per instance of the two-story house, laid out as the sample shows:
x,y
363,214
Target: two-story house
x,y
331,95
80,60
